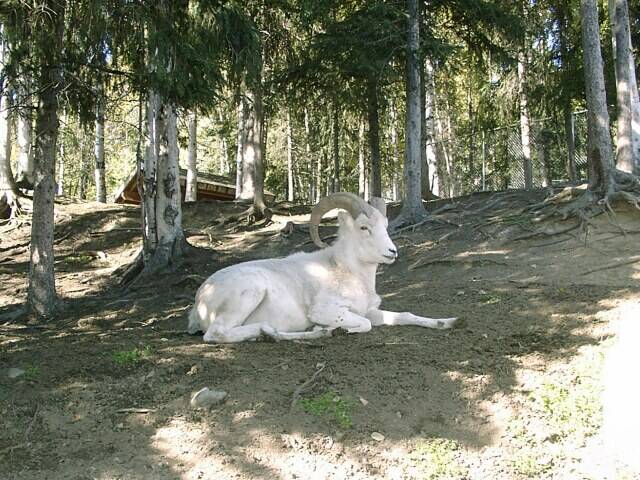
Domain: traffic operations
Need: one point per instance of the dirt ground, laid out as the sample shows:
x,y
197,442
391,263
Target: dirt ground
x,y
103,391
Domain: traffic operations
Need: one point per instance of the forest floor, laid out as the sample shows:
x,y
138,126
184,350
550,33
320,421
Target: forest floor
x,y
103,391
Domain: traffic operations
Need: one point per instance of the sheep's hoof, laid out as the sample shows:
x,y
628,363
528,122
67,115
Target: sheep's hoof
x,y
269,333
458,323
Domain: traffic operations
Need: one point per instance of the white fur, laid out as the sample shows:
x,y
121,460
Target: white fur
x,y
304,295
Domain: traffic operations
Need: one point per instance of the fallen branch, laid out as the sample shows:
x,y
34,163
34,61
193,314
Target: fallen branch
x,y
632,260
305,386
136,410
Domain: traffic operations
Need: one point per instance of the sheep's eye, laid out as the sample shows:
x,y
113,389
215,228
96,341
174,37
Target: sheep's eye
x,y
364,227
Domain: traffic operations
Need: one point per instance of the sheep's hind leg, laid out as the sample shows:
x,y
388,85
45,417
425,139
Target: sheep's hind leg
x,y
229,324
383,317
317,332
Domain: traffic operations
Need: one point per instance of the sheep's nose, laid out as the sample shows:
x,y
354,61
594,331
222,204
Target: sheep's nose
x,y
393,251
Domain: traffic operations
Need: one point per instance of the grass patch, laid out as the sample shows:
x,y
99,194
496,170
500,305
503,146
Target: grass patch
x,y
435,459
332,406
131,357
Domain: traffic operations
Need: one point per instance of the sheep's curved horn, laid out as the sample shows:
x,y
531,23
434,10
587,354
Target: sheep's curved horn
x,y
379,204
347,201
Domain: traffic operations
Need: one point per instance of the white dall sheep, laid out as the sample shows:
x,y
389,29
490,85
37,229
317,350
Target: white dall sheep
x,y
307,295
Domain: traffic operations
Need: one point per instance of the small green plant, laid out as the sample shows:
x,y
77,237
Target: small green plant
x,y
331,405
79,259
131,357
31,372
528,464
435,459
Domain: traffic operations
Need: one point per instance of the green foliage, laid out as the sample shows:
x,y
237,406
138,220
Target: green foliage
x,y
435,459
332,406
31,372
132,357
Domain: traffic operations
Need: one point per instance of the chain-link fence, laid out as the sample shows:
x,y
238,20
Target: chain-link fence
x,y
494,159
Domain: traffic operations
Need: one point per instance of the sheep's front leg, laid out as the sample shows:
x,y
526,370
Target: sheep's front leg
x,y
383,317
317,332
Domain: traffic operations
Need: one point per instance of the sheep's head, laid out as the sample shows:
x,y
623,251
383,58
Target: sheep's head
x,y
364,225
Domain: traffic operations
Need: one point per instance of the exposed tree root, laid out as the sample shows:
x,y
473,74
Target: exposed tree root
x,y
251,216
630,261
584,204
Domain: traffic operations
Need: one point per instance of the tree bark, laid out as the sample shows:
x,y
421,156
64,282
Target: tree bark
x,y
101,188
310,156
525,129
395,151
8,189
374,137
290,185
41,294
191,187
412,208
619,16
24,177
599,152
253,152
363,191
430,140
241,141
335,136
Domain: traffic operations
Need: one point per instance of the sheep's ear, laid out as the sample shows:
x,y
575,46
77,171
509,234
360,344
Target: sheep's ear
x,y
345,219
378,204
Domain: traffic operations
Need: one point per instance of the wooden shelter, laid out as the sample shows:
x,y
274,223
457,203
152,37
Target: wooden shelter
x,y
216,187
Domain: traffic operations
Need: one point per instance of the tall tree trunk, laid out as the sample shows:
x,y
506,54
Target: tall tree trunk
x,y
412,208
241,142
430,136
24,177
60,170
563,11
290,185
8,190
224,146
150,172
395,150
191,186
253,153
320,174
310,156
525,129
335,136
101,188
363,191
374,137
599,152
41,294
84,167
619,16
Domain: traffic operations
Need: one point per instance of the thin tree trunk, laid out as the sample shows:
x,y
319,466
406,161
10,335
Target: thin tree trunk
x,y
24,177
374,138
41,294
290,185
362,164
525,129
430,147
253,152
150,184
335,135
241,142
395,151
310,156
412,208
224,145
599,152
569,125
320,174
191,187
101,188
60,182
84,167
8,189
619,16
569,129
